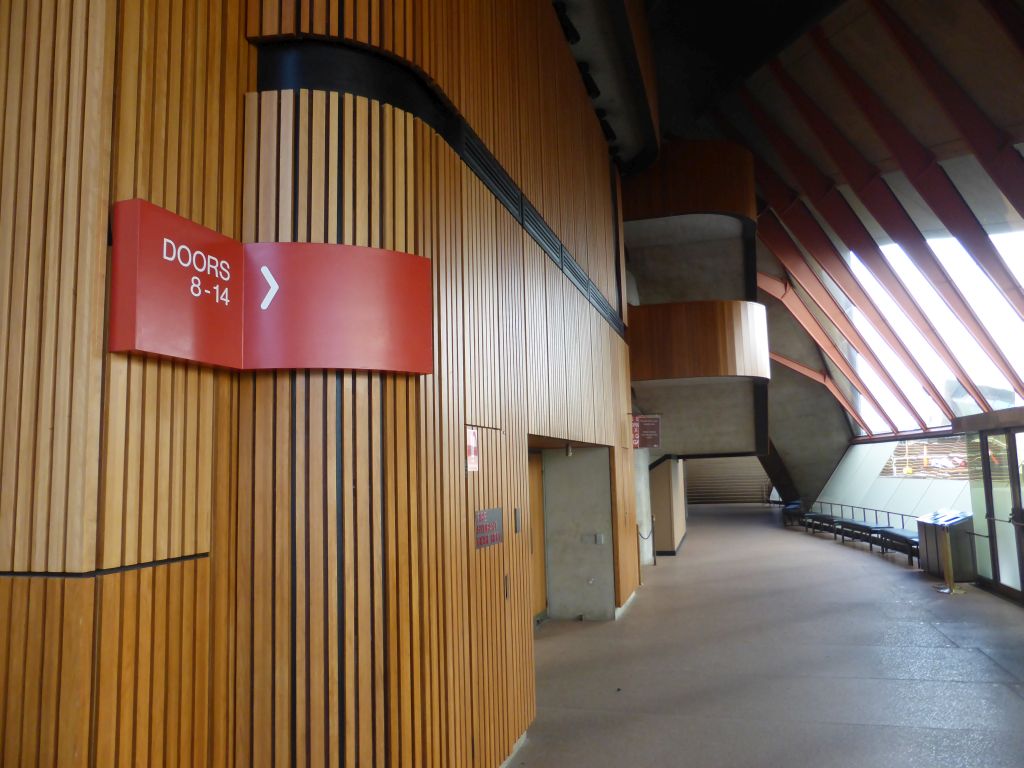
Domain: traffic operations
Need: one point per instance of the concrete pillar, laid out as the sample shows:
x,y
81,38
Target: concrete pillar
x,y
668,505
642,483
578,534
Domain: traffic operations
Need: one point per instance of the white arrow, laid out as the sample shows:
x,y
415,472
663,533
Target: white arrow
x,y
273,287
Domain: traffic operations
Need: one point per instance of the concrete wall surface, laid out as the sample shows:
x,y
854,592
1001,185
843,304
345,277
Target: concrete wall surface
x,y
701,416
668,505
642,485
578,534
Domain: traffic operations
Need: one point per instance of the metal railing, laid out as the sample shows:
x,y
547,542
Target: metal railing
x,y
866,514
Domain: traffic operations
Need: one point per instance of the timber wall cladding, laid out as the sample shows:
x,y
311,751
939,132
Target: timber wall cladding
x,y
342,616
508,70
435,636
108,461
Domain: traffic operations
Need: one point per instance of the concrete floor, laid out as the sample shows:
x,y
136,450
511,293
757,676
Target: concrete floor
x,y
763,646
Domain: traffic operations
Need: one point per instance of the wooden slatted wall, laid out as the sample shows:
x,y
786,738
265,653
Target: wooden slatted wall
x,y
507,68
167,427
342,168
55,64
323,602
118,461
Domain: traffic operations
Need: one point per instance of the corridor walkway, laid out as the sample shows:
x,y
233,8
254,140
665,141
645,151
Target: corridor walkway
x,y
766,647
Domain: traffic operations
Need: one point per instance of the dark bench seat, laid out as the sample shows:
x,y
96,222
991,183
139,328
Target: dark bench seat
x,y
792,514
820,522
885,536
862,531
900,540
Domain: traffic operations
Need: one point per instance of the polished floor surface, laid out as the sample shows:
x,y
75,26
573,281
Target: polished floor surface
x,y
763,646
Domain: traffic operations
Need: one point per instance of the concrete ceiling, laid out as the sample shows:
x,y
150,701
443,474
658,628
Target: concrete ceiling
x,y
707,62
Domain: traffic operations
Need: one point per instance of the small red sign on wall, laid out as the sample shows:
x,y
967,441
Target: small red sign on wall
x,y
647,431
472,450
184,291
489,527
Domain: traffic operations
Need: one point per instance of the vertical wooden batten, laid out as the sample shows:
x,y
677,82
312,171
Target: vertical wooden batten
x,y
211,567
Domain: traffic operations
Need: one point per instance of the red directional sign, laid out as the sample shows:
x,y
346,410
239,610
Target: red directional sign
x,y
312,305
176,287
180,290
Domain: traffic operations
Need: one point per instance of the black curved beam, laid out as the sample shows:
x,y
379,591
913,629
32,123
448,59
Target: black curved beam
x,y
319,65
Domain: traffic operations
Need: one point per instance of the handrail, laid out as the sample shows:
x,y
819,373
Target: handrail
x,y
875,512
864,512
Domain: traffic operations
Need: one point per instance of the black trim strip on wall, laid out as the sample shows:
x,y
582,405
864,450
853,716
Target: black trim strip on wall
x,y
761,436
104,571
320,65
749,258
777,472
689,456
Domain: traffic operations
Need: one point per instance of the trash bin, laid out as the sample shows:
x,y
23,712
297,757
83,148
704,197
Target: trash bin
x,y
931,528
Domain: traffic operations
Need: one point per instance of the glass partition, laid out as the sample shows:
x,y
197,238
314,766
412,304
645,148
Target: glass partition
x,y
937,371
993,384
1002,479
979,506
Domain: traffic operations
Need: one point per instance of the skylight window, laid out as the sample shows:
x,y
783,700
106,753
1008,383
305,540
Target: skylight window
x,y
991,307
877,388
1011,247
993,384
905,380
937,371
885,397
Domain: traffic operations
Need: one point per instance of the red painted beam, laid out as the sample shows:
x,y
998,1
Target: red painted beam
x,y
826,381
843,219
930,180
774,236
874,192
814,239
991,144
781,290
1009,15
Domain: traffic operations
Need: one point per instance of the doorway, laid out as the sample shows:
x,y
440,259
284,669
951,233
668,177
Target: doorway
x,y
1003,453
539,572
570,531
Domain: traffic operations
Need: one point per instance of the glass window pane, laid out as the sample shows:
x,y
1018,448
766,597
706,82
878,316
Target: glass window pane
x,y
990,381
937,371
1011,247
991,307
885,397
976,472
906,380
878,389
863,407
1002,509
